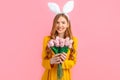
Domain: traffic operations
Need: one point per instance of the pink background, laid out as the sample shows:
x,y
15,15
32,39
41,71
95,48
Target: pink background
x,y
24,23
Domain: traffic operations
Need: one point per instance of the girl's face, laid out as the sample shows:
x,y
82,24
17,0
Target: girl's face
x,y
61,25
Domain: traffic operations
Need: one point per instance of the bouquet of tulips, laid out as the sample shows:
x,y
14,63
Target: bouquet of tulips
x,y
60,45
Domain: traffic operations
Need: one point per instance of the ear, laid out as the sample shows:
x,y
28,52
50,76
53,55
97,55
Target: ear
x,y
68,7
54,7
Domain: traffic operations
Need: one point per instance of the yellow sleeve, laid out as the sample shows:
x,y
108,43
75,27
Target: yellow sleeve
x,y
67,64
45,62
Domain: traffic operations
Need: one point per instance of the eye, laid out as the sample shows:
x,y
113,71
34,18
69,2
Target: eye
x,y
57,22
63,22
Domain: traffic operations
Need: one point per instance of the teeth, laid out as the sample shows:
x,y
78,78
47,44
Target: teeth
x,y
60,29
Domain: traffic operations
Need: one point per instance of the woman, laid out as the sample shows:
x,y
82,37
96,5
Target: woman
x,y
62,28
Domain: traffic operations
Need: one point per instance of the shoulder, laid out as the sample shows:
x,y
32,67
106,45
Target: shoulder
x,y
46,39
75,39
75,42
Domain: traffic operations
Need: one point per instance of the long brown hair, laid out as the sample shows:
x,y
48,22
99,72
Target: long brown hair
x,y
53,34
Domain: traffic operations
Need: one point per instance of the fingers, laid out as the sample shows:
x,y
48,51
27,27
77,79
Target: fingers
x,y
56,55
61,61
55,60
63,56
58,58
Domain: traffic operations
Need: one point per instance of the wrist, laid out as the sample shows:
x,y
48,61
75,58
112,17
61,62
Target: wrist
x,y
51,63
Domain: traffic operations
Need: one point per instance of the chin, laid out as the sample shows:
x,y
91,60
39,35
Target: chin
x,y
60,32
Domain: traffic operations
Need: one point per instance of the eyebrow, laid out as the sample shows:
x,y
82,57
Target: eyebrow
x,y
61,21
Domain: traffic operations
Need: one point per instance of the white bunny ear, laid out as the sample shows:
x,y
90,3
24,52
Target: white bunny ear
x,y
54,7
68,7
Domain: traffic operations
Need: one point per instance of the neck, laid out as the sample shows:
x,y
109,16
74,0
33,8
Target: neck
x,y
61,35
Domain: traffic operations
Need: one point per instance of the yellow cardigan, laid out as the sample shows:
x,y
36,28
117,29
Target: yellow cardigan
x,y
51,72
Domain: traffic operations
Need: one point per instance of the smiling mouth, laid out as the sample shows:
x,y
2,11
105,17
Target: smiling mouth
x,y
60,29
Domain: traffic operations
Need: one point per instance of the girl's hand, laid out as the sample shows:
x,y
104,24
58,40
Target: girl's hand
x,y
63,57
56,59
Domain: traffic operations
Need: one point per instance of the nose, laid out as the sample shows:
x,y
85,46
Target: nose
x,y
60,24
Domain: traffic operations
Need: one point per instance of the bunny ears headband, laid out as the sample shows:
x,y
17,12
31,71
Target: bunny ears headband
x,y
68,7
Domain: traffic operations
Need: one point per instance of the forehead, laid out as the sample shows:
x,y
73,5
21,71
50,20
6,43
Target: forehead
x,y
61,18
